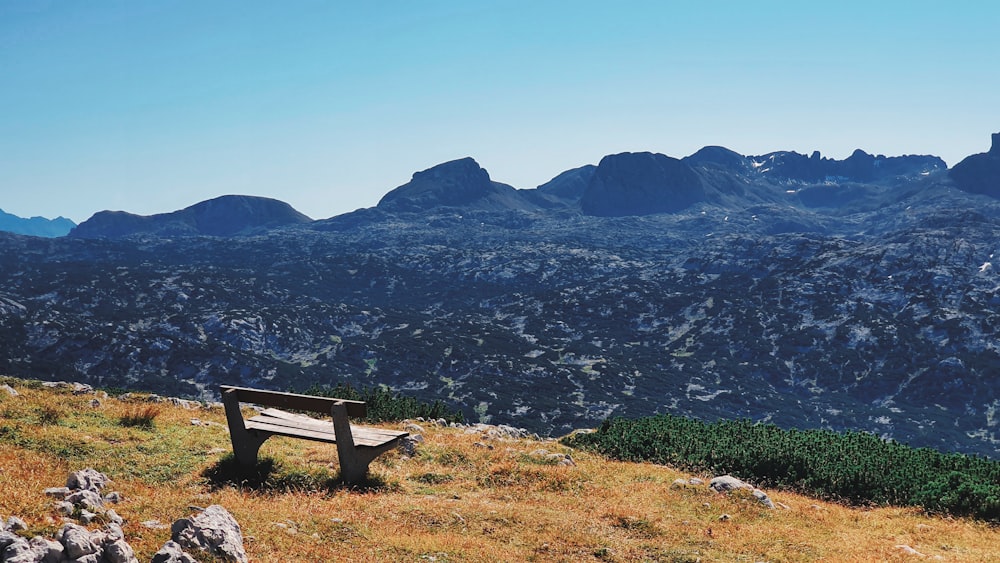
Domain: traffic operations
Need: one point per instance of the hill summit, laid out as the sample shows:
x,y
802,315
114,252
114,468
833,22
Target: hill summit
x,y
222,216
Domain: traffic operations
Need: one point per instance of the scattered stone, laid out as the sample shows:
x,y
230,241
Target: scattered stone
x,y
725,517
87,479
172,552
695,481
10,390
94,403
762,497
482,445
909,550
414,428
213,530
86,499
87,516
154,524
727,483
64,508
408,445
560,459
114,518
113,497
183,403
15,524
77,541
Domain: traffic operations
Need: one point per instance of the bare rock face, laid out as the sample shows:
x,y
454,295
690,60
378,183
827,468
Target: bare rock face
x,y
214,531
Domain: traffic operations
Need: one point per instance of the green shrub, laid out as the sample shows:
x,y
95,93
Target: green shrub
x,y
385,405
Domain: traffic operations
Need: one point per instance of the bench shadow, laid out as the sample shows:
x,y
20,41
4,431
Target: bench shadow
x,y
270,475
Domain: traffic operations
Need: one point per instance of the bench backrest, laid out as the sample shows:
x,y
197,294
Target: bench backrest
x,y
310,403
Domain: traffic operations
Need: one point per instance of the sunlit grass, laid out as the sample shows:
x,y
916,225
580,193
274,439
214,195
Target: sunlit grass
x,y
453,501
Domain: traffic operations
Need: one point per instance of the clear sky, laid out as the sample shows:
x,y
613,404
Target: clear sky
x,y
152,106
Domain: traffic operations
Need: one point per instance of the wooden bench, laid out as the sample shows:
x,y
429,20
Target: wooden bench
x,y
357,446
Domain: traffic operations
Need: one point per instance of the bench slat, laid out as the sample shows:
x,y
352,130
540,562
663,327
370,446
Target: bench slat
x,y
363,436
356,409
305,433
322,425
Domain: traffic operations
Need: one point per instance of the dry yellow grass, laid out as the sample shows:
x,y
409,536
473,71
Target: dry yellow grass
x,y
455,501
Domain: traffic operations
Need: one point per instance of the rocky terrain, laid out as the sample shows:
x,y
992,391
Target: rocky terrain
x,y
801,290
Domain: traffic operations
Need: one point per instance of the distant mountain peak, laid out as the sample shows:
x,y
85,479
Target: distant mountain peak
x,y
460,183
227,215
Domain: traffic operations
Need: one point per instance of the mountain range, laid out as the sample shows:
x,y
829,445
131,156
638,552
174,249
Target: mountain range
x,y
35,226
807,291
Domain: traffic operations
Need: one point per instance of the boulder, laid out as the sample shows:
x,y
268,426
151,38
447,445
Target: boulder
x,y
87,479
172,552
214,531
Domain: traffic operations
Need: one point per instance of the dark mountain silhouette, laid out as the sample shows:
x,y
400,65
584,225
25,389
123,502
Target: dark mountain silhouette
x,y
641,184
980,173
457,184
223,216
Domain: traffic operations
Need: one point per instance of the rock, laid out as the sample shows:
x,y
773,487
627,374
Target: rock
x,y
727,483
408,445
119,551
10,390
762,497
20,551
94,403
77,541
171,552
414,428
15,524
58,492
64,508
153,524
113,517
213,530
87,516
86,499
7,538
909,550
113,497
87,479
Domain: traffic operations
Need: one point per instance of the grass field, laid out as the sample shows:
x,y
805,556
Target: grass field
x,y
463,497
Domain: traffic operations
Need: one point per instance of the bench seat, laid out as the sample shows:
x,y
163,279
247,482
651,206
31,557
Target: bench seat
x,y
281,423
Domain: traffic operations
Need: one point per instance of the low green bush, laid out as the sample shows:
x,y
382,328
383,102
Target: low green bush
x,y
385,405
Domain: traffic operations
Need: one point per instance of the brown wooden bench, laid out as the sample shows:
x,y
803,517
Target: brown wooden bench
x,y
357,446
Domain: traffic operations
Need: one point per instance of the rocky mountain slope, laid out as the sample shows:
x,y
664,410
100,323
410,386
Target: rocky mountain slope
x,y
805,291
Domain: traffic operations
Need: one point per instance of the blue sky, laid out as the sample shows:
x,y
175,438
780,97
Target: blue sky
x,y
150,107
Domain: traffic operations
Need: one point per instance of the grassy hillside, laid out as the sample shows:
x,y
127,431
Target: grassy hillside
x,y
463,497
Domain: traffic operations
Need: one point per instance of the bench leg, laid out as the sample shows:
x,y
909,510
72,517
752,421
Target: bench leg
x,y
353,461
246,444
